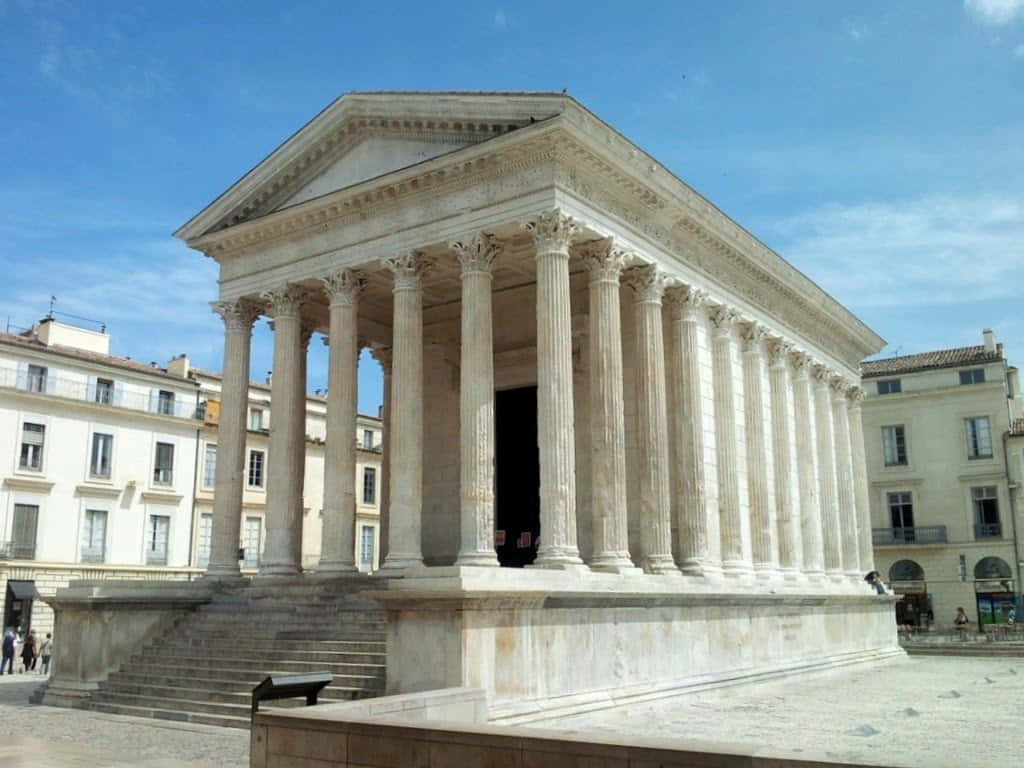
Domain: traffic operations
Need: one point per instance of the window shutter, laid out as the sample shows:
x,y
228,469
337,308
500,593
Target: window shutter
x,y
118,393
22,382
90,391
154,400
51,382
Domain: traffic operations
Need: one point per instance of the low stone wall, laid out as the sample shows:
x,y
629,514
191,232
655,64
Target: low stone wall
x,y
100,624
307,738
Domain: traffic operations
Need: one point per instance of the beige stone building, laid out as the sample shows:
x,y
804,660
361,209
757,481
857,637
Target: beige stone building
x,y
107,465
944,475
589,370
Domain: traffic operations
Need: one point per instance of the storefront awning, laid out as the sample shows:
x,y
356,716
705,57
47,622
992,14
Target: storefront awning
x,y
23,590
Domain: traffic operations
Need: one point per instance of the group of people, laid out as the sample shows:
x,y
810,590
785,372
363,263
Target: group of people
x,y
32,652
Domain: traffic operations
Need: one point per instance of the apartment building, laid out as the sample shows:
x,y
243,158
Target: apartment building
x,y
107,465
944,471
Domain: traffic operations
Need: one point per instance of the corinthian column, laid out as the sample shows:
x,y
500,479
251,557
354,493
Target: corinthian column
x,y
607,416
552,233
648,284
825,430
787,513
844,480
730,514
476,402
238,317
764,546
807,468
692,487
283,551
405,507
860,482
382,354
337,549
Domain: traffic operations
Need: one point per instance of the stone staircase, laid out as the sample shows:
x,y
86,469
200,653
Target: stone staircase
x,y
204,668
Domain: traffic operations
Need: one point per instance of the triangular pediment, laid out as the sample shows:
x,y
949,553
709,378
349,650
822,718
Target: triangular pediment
x,y
362,136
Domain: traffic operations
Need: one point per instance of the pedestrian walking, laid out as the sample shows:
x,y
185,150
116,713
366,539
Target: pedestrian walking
x,y
30,651
8,650
45,651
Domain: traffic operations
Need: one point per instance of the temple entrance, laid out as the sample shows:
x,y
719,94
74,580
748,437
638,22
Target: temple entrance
x,y
517,476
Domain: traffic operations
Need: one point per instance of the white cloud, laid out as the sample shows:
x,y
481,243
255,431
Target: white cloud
x,y
995,13
930,251
500,19
856,32
1018,52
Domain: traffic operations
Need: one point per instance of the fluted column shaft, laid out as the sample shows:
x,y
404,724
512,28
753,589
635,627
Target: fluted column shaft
x,y
763,541
860,482
558,548
729,512
827,489
607,413
382,354
648,285
476,403
807,468
787,513
283,551
690,481
844,481
238,318
337,548
405,508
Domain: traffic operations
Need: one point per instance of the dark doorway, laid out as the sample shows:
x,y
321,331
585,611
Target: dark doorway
x,y
18,606
517,476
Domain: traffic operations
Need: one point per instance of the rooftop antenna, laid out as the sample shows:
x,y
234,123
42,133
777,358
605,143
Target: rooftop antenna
x,y
50,316
53,300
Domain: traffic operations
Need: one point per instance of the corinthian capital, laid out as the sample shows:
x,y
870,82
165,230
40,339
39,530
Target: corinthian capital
x,y
408,268
801,362
603,260
647,282
344,287
822,374
238,315
286,301
722,319
856,396
839,386
779,351
382,354
684,301
477,253
752,333
552,231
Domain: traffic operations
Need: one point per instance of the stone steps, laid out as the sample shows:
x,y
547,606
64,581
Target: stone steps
x,y
204,668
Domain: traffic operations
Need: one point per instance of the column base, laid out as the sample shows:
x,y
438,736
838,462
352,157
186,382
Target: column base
x,y
478,559
737,569
223,573
767,573
660,564
397,562
791,574
703,569
557,557
616,562
336,566
278,569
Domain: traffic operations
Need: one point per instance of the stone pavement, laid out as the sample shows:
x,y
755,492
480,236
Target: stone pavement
x,y
925,712
49,737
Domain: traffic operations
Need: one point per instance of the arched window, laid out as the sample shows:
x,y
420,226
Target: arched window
x,y
906,570
992,568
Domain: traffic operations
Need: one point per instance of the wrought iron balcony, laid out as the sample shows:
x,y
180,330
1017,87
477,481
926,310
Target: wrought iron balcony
x,y
988,531
15,550
918,534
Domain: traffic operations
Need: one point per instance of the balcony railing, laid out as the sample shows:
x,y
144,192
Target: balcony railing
x,y
918,534
15,550
988,531
76,389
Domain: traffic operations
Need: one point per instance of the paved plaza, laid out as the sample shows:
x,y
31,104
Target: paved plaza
x,y
927,712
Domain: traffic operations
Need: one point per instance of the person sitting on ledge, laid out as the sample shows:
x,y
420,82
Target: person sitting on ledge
x,y
874,578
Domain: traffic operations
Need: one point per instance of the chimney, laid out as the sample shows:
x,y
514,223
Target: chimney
x,y
178,366
990,340
270,378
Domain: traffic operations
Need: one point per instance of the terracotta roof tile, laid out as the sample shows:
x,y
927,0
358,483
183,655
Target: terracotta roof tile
x,y
923,361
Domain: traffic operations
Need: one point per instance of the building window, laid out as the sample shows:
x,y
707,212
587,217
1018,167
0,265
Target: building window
x,y
986,512
894,445
23,531
979,438
901,512
156,539
256,419
165,403
366,547
94,536
32,438
973,376
163,466
102,452
251,542
368,439
210,466
104,391
889,386
36,381
255,469
369,485
205,537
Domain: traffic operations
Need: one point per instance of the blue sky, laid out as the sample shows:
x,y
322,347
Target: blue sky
x,y
878,146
